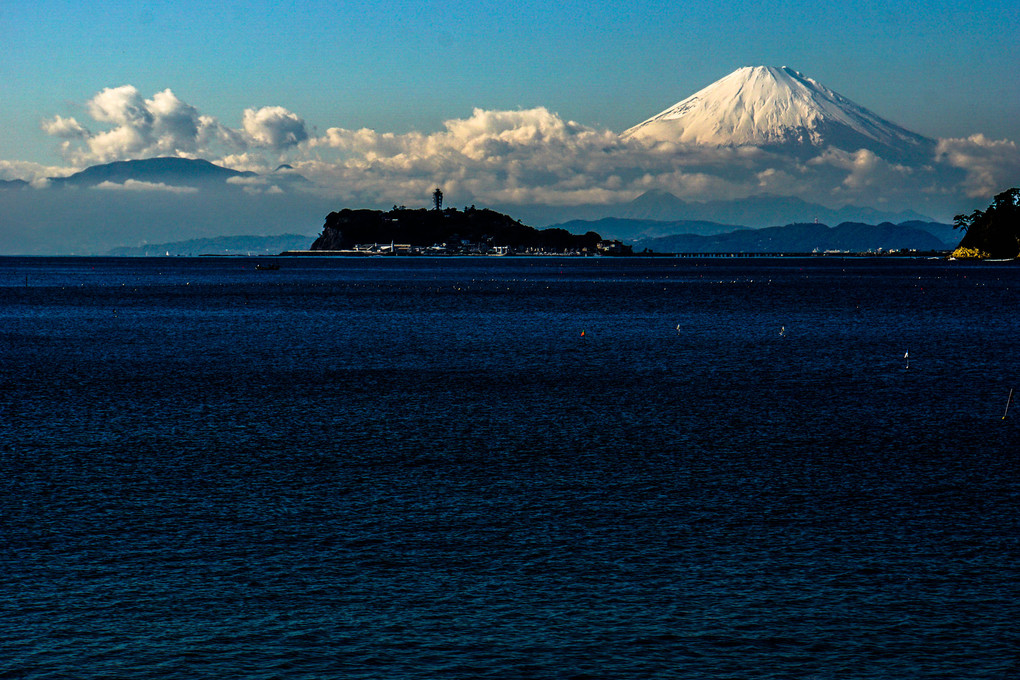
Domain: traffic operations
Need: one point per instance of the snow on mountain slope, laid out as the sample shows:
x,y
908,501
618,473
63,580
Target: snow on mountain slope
x,y
778,107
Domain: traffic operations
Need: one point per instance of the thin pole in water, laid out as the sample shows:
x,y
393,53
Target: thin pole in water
x,y
1008,400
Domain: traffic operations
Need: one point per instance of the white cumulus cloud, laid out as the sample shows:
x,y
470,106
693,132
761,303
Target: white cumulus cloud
x,y
122,106
864,170
130,126
499,156
991,165
274,127
32,172
136,127
65,128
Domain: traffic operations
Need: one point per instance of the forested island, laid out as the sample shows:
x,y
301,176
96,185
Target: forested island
x,y
994,232
449,231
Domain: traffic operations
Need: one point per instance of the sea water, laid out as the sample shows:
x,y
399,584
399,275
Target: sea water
x,y
509,468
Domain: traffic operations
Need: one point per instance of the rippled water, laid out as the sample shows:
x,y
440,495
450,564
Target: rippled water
x,y
508,468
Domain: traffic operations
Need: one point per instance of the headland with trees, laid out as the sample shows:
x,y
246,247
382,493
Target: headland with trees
x,y
449,231
993,232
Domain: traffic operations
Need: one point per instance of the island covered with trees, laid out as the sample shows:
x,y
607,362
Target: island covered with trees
x,y
449,231
994,232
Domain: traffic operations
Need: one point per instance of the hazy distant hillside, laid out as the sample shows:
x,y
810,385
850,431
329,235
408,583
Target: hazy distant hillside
x,y
801,238
222,245
757,211
157,200
886,235
170,171
633,230
754,211
943,232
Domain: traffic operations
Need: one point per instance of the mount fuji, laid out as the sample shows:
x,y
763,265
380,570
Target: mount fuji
x,y
781,109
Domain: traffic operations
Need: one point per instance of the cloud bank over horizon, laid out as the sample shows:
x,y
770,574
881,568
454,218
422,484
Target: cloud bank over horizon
x,y
512,157
163,125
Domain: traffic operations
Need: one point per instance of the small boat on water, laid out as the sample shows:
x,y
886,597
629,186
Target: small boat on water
x,y
269,267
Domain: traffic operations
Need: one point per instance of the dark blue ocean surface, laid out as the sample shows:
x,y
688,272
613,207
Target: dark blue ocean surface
x,y
509,468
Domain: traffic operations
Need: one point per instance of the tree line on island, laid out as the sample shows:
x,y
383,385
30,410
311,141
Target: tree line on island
x,y
993,232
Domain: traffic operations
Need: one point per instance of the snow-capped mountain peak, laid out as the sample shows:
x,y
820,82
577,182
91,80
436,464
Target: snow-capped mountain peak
x,y
777,106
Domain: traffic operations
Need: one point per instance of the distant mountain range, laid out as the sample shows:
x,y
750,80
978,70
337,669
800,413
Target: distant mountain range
x,y
760,211
803,238
753,212
912,234
630,230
